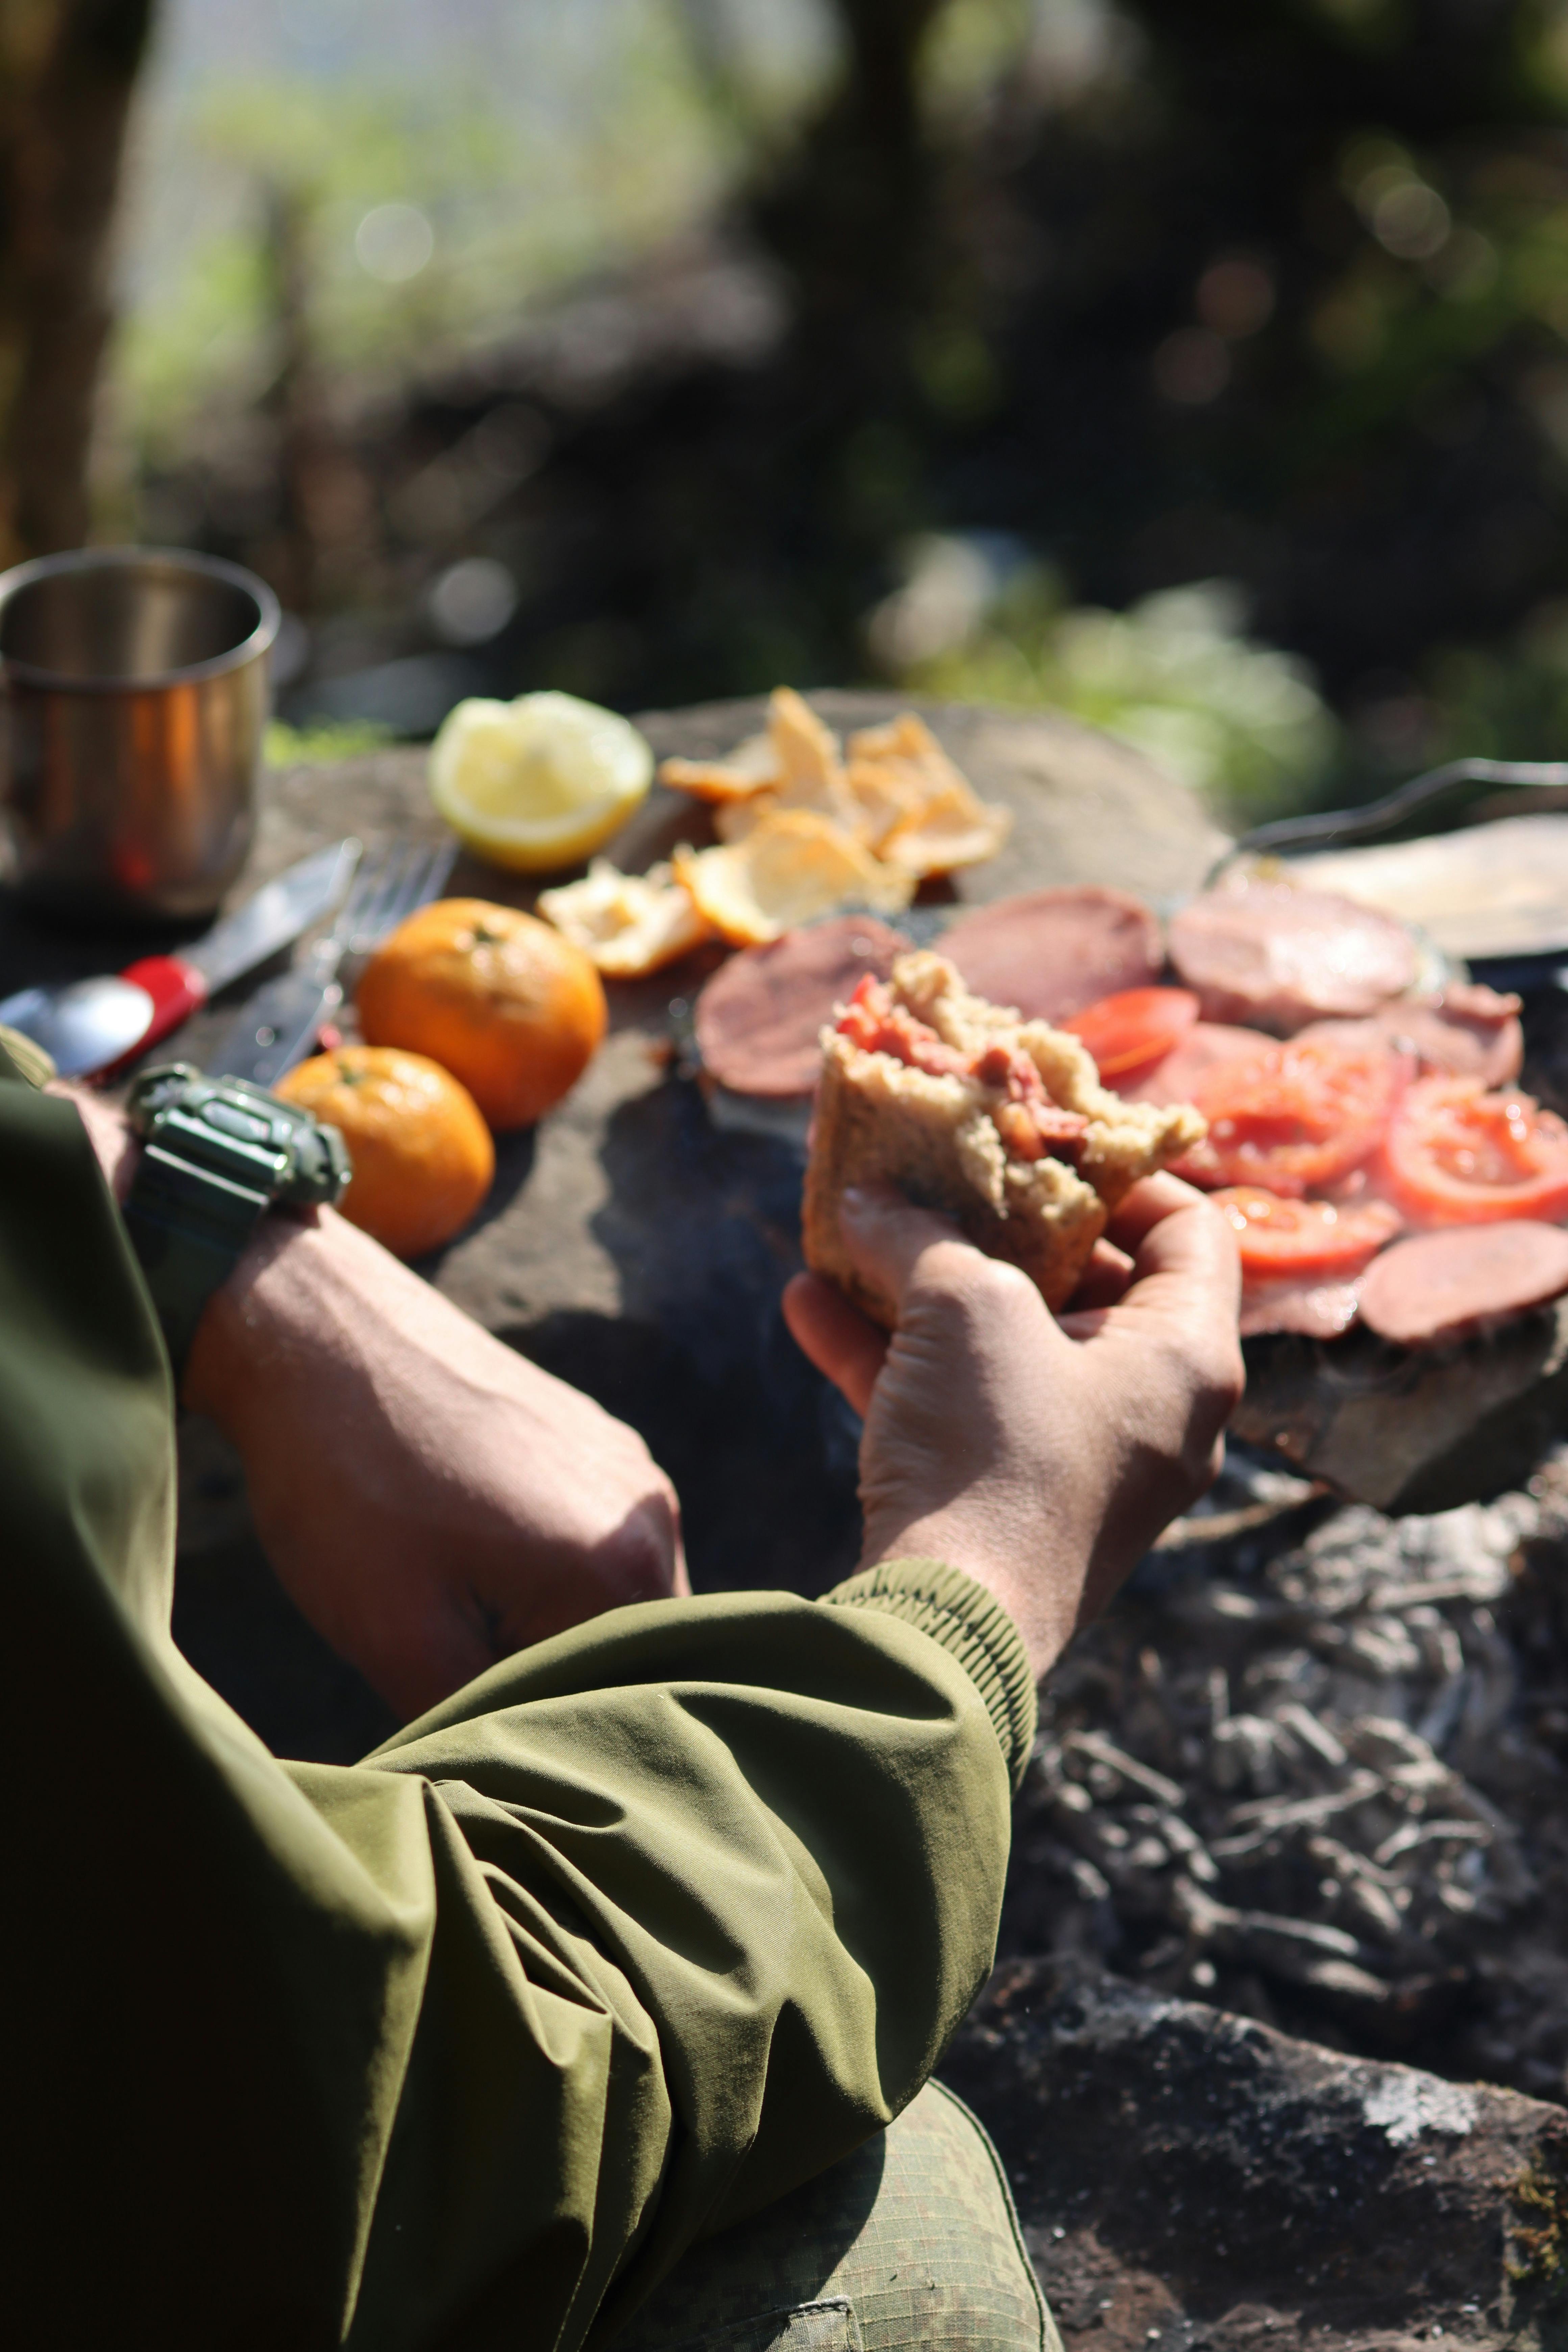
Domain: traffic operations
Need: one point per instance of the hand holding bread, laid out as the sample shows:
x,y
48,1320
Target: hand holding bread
x,y
1041,1454
1001,1124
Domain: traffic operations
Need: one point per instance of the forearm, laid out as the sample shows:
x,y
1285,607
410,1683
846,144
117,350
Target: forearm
x,y
431,1500
296,1307
386,1436
299,1290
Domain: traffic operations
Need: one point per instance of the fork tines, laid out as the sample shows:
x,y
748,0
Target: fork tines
x,y
404,876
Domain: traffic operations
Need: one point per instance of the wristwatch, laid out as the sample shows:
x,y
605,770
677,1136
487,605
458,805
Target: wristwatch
x,y
218,1153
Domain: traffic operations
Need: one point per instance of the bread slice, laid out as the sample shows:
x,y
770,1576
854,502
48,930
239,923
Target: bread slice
x,y
879,1119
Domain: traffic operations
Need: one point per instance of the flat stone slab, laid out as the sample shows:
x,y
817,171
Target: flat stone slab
x,y
630,1245
639,1250
1188,2178
1411,1429
633,1246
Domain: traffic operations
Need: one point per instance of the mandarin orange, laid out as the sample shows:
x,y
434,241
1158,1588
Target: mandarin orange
x,y
497,997
423,1157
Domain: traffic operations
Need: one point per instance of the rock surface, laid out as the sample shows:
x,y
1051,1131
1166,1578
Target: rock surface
x,y
636,1248
631,1244
623,1233
1411,1429
1185,2178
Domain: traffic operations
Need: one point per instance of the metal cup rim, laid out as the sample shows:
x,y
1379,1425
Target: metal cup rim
x,y
93,558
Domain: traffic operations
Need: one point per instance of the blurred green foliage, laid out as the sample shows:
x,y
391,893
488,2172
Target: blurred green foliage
x,y
1499,703
1167,292
558,151
322,741
1176,676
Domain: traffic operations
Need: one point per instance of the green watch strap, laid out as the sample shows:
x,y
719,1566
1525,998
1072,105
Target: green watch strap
x,y
189,1227
217,1153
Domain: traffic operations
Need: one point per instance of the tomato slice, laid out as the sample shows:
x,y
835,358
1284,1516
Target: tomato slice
x,y
1294,1116
1134,1027
1280,1237
1456,1155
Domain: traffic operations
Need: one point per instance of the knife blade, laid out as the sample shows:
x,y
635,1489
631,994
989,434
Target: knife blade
x,y
279,1024
91,1026
181,984
275,917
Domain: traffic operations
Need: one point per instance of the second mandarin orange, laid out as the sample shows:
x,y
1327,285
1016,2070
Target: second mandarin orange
x,y
423,1157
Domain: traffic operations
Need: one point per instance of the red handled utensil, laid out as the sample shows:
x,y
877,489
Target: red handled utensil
x,y
87,1026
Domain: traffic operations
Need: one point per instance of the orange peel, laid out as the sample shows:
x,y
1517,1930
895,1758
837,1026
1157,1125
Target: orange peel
x,y
793,866
795,765
949,832
900,795
627,924
917,808
752,767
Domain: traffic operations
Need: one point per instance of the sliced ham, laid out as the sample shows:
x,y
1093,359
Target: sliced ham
x,y
1052,952
1277,958
758,1019
1440,1286
1207,1043
1318,1310
1463,1032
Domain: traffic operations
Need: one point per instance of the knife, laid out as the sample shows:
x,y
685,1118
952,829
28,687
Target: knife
x,y
89,1025
279,1024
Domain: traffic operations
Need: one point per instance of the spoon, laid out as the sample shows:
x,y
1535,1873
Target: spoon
x,y
89,1025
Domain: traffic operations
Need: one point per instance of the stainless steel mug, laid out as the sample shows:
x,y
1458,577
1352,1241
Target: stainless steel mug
x,y
133,697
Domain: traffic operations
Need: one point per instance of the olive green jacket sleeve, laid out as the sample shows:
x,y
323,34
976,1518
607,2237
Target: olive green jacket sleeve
x,y
461,2046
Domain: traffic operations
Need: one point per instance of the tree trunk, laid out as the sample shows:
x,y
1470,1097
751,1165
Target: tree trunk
x,y
67,68
851,215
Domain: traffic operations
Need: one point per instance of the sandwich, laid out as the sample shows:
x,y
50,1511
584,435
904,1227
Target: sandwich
x,y
1000,1123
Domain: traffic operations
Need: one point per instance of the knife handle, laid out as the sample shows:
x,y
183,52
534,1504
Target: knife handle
x,y
177,990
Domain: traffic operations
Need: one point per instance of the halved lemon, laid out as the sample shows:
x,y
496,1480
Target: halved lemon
x,y
537,783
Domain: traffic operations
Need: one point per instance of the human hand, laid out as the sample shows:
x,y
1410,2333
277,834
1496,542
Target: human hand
x,y
1041,1454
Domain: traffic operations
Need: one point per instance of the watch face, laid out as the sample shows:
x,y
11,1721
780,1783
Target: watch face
x,y
240,1131
246,1126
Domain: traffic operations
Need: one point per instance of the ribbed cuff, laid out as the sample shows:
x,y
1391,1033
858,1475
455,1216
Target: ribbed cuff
x,y
964,1617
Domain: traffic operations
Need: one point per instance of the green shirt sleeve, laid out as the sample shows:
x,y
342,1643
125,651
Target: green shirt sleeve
x,y
461,2046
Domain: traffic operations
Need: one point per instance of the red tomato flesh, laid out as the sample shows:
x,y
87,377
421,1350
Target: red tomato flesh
x,y
1278,1237
1456,1155
1293,1118
1134,1027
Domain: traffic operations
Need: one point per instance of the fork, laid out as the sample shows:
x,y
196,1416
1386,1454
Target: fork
x,y
279,1026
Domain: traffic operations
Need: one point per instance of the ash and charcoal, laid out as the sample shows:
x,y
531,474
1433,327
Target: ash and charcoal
x,y
1311,1767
